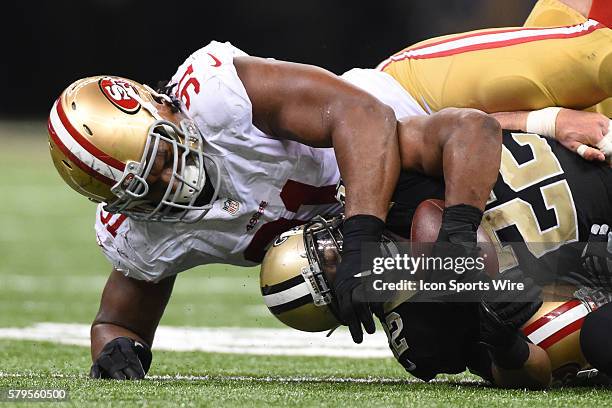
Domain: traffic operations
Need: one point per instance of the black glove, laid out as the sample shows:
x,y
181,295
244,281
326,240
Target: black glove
x,y
457,235
457,239
507,347
513,307
354,310
597,256
459,225
122,359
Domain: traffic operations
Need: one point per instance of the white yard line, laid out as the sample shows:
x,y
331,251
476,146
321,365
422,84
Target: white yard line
x,y
269,379
233,340
204,284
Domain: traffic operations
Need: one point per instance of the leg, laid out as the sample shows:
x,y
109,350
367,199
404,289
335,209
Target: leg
x,y
509,69
552,13
595,340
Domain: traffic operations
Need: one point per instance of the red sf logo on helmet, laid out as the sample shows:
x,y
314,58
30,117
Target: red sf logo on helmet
x,y
119,92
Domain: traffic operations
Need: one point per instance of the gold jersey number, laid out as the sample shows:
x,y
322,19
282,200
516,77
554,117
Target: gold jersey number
x,y
557,196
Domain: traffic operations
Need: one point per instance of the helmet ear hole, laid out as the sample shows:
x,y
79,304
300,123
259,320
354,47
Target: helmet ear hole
x,y
73,105
68,166
88,130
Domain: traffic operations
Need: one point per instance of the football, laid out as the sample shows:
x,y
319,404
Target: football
x,y
426,224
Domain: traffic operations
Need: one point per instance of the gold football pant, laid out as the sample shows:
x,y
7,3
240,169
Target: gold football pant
x,y
509,69
553,13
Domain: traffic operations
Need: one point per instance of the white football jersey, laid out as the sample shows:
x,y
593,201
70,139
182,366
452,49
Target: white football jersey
x,y
267,185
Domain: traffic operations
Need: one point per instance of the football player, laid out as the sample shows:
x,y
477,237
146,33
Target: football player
x,y
265,163
509,69
236,151
554,13
545,197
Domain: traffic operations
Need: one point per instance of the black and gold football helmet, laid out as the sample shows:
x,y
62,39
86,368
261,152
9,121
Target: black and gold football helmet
x,y
296,273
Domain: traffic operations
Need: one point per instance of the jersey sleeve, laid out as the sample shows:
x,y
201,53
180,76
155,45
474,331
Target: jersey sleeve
x,y
211,92
145,251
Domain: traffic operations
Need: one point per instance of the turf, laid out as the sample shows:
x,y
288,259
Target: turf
x,y
231,380
52,270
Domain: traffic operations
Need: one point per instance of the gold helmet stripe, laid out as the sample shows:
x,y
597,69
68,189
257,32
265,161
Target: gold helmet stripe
x,y
284,285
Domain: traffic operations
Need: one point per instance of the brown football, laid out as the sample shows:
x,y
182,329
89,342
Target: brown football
x,y
426,224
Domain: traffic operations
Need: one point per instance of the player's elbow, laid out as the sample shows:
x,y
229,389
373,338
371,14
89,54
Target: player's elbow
x,y
368,120
479,126
472,131
375,110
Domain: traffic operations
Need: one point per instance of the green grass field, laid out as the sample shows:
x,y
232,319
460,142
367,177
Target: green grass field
x,y
51,270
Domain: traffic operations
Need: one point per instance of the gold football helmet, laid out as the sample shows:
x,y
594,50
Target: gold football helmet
x,y
298,270
293,284
104,136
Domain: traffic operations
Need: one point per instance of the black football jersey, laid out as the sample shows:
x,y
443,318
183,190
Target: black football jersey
x,y
542,206
544,203
431,338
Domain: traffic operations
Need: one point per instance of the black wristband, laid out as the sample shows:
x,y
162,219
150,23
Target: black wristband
x,y
460,223
360,229
356,231
144,355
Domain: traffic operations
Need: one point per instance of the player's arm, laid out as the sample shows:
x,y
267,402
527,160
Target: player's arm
x,y
123,330
312,106
570,127
534,374
461,145
315,107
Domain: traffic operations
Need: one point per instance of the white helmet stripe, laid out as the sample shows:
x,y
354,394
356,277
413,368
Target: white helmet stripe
x,y
287,295
79,152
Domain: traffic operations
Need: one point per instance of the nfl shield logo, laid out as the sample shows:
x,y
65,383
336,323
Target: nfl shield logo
x,y
231,206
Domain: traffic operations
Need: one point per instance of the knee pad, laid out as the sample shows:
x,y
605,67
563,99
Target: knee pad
x,y
596,338
553,13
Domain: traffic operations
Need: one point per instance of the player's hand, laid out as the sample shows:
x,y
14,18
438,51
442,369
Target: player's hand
x,y
506,344
122,359
597,256
457,239
494,331
353,308
512,307
459,225
576,128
